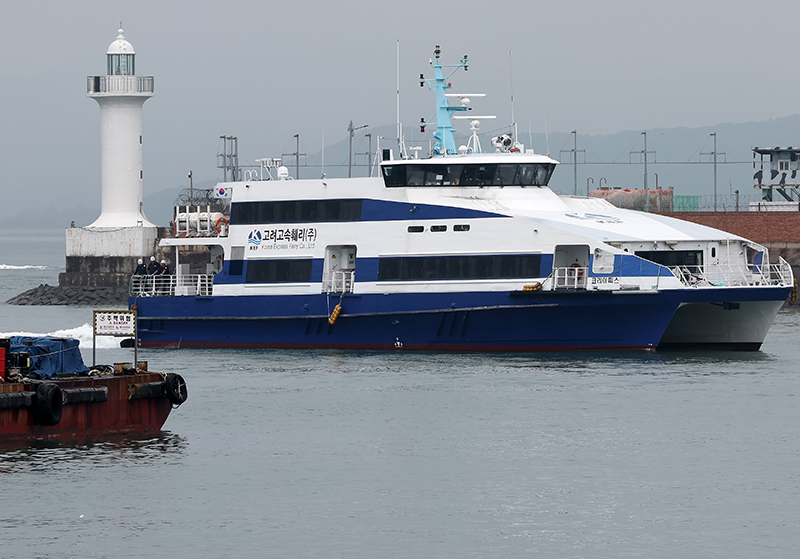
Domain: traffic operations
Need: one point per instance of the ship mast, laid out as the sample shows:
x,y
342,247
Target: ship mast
x,y
445,142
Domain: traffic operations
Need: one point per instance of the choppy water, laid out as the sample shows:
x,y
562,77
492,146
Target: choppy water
x,y
399,454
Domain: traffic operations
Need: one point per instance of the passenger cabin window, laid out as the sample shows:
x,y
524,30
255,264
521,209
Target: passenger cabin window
x,y
459,267
295,211
688,258
278,271
472,174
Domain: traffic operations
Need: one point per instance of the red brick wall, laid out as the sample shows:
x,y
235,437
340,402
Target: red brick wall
x,y
761,227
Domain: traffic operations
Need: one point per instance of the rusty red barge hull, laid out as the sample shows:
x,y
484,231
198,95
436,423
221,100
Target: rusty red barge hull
x,y
94,405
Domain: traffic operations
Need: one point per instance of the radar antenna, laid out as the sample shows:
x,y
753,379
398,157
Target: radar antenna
x,y
474,143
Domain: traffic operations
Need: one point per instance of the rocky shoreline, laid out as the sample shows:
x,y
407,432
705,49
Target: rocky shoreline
x,y
71,295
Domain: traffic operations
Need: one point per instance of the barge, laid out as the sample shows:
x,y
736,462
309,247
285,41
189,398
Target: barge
x,y
47,392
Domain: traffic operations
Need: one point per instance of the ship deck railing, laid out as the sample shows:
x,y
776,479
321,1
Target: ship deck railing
x,y
571,277
734,276
338,282
166,286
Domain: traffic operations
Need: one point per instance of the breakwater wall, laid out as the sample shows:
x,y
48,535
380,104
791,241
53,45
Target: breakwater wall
x,y
73,295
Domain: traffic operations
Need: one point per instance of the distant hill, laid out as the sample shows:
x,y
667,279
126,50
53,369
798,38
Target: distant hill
x,y
676,162
157,208
682,157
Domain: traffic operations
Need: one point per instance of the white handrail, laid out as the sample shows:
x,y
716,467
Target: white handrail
x,y
338,281
730,276
166,286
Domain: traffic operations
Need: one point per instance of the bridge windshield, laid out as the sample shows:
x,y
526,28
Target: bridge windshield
x,y
465,175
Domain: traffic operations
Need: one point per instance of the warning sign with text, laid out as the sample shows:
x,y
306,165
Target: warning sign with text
x,y
114,323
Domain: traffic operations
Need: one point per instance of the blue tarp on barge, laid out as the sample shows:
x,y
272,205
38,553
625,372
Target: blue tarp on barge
x,y
50,356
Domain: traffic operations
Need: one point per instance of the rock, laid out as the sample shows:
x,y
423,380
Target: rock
x,y
70,295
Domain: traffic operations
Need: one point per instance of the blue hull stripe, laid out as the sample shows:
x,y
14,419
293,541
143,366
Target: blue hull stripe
x,y
577,320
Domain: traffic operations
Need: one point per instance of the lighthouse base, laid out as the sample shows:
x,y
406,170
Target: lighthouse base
x,y
106,257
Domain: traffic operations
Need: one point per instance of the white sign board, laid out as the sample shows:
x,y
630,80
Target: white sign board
x,y
114,323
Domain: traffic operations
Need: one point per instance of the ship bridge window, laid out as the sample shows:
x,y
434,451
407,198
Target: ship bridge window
x,y
475,174
295,211
460,267
278,271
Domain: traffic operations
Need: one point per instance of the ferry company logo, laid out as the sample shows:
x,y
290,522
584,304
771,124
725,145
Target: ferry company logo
x,y
254,238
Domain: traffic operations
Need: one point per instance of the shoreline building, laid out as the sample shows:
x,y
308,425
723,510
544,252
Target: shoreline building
x,y
778,179
102,254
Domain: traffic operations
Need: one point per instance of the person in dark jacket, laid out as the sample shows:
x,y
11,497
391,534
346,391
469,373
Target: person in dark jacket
x,y
162,278
152,268
141,270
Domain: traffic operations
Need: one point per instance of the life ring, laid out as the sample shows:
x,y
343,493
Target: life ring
x,y
175,389
579,271
221,224
49,404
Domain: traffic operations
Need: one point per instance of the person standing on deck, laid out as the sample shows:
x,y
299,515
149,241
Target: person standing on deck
x,y
152,268
141,270
163,269
163,280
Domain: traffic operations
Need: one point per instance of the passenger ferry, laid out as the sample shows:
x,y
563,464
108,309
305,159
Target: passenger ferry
x,y
462,251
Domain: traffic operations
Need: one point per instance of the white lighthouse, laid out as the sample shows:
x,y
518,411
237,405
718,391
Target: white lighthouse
x,y
104,252
121,94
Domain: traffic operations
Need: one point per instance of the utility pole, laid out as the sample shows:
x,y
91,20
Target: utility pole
x,y
715,170
574,153
297,158
296,155
228,160
714,154
575,163
369,153
352,130
644,153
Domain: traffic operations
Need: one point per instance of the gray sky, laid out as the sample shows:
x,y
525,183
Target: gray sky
x,y
264,71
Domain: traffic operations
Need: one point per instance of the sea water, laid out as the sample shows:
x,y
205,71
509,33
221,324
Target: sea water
x,y
401,454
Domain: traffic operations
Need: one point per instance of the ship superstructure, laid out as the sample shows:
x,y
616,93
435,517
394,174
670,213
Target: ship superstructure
x,y
463,250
